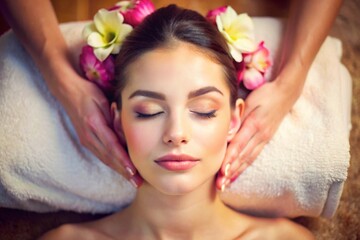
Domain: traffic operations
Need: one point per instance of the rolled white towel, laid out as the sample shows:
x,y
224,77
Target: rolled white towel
x,y
43,166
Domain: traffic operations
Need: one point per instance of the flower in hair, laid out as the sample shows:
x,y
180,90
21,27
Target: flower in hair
x,y
106,33
99,72
238,31
135,11
255,67
251,60
260,59
211,15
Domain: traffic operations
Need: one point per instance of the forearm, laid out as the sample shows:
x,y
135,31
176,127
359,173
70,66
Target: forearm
x,y
308,25
35,24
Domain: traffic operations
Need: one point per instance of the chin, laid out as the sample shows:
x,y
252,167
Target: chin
x,y
179,184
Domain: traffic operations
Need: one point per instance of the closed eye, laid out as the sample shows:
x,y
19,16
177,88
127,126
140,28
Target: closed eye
x,y
146,115
205,115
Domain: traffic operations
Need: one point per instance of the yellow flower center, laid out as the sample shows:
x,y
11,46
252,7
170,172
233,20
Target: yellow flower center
x,y
110,37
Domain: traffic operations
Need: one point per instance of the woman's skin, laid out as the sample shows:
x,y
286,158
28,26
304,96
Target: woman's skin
x,y
176,102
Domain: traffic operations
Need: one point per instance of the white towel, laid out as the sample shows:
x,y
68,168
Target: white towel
x,y
43,166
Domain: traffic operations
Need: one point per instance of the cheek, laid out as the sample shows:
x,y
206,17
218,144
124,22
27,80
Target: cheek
x,y
213,138
140,138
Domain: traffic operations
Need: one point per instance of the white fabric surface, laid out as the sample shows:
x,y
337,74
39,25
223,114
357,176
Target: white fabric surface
x,y
43,166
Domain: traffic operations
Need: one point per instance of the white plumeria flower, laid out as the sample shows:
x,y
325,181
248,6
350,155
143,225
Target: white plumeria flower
x,y
238,30
106,33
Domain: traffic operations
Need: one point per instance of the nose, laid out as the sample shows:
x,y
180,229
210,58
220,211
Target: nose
x,y
177,131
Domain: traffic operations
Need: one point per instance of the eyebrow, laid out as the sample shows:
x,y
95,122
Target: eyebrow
x,y
203,91
149,94
160,96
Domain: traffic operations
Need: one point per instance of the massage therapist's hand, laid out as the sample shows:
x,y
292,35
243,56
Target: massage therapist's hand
x,y
308,25
89,112
38,30
265,108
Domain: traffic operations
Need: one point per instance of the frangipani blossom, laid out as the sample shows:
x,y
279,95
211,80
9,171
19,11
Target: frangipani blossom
x,y
106,33
254,66
260,59
252,78
135,11
99,72
238,30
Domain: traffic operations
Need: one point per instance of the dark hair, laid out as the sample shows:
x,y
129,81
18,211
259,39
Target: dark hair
x,y
160,29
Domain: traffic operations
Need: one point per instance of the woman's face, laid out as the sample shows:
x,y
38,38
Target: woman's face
x,y
176,118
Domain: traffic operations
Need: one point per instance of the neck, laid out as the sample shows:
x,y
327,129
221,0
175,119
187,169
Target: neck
x,y
184,216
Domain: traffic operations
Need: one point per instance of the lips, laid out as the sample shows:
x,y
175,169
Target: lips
x,y
177,162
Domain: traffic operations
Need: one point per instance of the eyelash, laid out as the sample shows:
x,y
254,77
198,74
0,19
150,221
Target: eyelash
x,y
144,115
206,115
202,115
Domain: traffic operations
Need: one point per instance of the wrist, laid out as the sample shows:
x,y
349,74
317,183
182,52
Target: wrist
x,y
291,78
59,75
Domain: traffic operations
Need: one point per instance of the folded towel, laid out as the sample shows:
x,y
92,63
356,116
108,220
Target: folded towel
x,y
43,166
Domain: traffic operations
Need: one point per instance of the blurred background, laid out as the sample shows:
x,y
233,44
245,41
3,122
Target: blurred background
x,y
77,10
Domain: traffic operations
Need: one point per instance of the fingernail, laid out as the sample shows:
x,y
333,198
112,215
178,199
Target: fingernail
x,y
132,181
130,171
222,187
223,184
227,182
227,168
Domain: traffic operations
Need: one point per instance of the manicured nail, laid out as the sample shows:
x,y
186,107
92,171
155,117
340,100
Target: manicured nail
x,y
132,181
227,182
222,187
130,171
227,168
223,184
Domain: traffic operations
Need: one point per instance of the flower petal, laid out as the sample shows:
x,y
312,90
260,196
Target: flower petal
x,y
245,45
124,5
96,40
261,58
124,30
116,48
103,53
106,21
135,11
88,29
219,23
228,17
253,79
244,24
212,14
235,53
238,31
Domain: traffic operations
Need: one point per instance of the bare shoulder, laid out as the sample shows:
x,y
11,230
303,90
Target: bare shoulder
x,y
73,231
291,229
279,228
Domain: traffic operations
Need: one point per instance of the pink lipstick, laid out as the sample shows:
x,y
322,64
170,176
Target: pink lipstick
x,y
173,162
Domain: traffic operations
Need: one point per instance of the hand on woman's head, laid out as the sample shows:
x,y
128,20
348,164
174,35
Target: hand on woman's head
x,y
260,122
89,112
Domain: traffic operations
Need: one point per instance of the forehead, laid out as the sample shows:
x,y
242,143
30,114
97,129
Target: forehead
x,y
181,64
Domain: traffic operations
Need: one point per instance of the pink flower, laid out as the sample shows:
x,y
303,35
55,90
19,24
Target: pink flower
x,y
101,73
135,11
253,67
259,59
253,78
211,15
